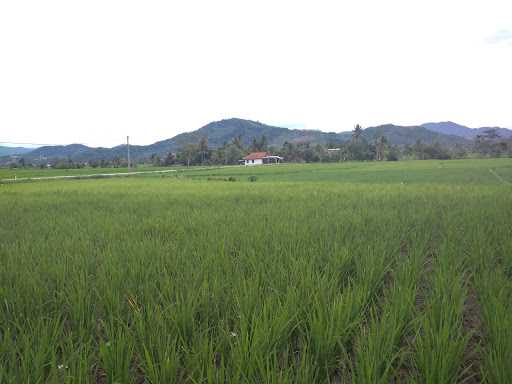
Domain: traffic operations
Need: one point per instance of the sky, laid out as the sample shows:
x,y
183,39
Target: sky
x,y
94,72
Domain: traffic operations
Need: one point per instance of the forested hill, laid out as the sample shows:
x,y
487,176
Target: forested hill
x,y
451,128
220,132
11,151
223,131
400,135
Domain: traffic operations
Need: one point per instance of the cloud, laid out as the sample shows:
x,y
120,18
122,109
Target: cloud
x,y
502,36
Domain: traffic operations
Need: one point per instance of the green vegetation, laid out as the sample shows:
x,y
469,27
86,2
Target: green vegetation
x,y
475,171
10,173
383,143
225,142
354,272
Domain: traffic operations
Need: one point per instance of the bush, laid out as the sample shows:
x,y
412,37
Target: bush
x,y
231,178
252,178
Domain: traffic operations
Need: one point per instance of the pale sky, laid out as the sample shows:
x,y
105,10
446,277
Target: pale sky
x,y
95,71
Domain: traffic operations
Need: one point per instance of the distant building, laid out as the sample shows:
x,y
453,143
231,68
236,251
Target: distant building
x,y
260,158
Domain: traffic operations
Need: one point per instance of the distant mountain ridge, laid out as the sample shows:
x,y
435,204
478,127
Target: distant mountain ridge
x,y
223,131
408,135
451,128
13,151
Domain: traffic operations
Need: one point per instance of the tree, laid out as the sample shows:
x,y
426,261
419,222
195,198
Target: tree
x,y
116,161
357,133
418,149
170,159
188,153
488,143
491,134
290,152
203,148
321,153
155,159
358,148
380,148
259,145
459,151
436,151
408,150
263,143
232,153
237,141
393,154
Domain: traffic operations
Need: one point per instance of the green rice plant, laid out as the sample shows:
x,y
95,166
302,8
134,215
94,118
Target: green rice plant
x,y
441,342
74,364
36,348
157,346
331,324
378,348
496,289
116,356
296,278
261,334
8,356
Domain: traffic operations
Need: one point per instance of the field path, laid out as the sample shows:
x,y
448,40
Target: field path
x,y
501,179
89,176
473,325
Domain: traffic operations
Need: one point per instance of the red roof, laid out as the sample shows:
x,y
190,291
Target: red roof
x,y
256,155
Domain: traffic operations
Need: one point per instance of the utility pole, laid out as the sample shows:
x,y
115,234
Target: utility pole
x,y
128,150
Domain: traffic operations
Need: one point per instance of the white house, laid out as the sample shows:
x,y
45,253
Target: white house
x,y
260,158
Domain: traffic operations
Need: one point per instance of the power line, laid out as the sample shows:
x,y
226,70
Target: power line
x,y
44,144
38,144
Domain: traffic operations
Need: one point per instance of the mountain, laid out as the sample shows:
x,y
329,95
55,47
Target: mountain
x,y
451,128
11,151
61,151
220,132
80,152
402,135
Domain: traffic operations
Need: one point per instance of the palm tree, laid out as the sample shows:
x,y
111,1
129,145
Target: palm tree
x,y
380,147
357,132
238,141
419,150
189,151
203,147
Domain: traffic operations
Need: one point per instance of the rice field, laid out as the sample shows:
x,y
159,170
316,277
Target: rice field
x,y
326,273
30,172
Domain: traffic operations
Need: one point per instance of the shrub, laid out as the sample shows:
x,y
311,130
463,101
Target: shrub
x,y
252,178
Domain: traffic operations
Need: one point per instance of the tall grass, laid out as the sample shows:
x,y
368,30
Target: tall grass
x,y
172,280
380,348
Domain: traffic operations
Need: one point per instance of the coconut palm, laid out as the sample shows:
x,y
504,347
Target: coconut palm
x,y
380,148
357,133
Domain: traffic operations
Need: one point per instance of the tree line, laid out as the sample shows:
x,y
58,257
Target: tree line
x,y
358,148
